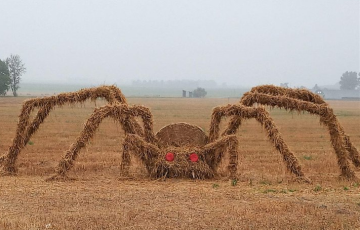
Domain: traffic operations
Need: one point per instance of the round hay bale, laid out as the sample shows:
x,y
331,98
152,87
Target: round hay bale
x,y
181,134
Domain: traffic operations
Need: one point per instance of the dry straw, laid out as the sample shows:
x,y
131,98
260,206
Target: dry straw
x,y
182,138
262,116
120,113
307,96
304,100
25,128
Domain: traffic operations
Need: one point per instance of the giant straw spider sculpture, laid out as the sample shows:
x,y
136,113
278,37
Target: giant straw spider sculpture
x,y
184,150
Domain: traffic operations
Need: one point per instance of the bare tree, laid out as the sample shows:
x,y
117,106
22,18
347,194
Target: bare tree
x,y
16,69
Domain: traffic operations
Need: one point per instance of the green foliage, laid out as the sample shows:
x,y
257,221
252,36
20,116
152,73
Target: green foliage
x,y
346,188
215,185
234,182
317,188
30,143
308,158
4,78
16,69
199,92
269,190
349,80
265,182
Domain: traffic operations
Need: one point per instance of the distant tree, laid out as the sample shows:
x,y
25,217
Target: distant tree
x,y
349,80
16,69
4,78
199,92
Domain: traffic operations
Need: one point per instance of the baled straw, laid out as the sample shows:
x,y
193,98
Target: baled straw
x,y
307,96
118,112
327,118
263,117
25,129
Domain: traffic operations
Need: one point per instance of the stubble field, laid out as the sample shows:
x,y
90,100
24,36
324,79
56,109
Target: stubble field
x,y
265,197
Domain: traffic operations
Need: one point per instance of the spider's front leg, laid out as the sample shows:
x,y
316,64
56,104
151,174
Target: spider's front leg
x,y
215,152
143,150
240,112
120,113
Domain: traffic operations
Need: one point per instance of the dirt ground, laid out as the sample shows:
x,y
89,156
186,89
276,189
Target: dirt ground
x,y
265,197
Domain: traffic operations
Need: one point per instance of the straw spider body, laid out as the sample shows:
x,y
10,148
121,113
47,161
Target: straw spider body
x,y
184,150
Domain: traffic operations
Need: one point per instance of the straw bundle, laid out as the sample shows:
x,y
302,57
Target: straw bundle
x,y
327,118
25,129
263,117
301,94
121,114
143,150
307,96
181,134
181,166
214,153
182,139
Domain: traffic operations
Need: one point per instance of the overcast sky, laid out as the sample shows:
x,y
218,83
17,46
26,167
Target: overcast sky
x,y
302,42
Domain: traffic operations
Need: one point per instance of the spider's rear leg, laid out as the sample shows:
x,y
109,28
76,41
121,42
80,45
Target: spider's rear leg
x,y
300,95
340,142
143,150
215,153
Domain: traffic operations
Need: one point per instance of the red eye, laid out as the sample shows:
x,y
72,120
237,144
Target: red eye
x,y
194,157
169,157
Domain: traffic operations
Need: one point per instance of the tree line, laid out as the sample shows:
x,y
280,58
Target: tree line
x,y
11,70
350,80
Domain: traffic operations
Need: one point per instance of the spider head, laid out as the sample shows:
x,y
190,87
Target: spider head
x,y
183,162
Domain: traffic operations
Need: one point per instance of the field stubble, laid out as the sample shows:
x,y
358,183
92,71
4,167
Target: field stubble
x,y
265,197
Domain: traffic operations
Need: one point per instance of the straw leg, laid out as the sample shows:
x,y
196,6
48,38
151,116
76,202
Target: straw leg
x,y
300,94
26,129
240,112
119,113
143,150
343,148
215,152
306,96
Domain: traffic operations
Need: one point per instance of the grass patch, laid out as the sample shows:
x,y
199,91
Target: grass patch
x,y
234,182
308,158
269,191
30,143
265,182
317,188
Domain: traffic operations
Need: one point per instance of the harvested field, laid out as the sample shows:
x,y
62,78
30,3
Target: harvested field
x,y
265,197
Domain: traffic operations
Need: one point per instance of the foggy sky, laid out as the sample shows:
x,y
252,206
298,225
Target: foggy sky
x,y
247,43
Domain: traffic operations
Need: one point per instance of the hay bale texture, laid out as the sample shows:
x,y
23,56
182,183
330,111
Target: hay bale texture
x,y
25,128
120,113
183,140
262,116
304,100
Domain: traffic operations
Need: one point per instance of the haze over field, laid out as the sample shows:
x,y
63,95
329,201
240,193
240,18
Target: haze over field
x,y
242,43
